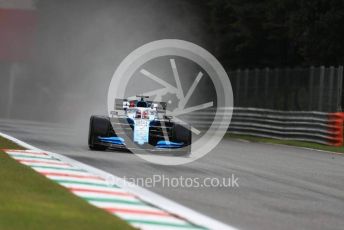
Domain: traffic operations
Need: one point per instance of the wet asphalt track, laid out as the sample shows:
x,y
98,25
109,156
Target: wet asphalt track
x,y
280,187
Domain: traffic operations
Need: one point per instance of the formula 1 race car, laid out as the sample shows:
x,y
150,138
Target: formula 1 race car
x,y
139,125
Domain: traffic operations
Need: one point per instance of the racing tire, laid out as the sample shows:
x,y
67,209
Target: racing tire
x,y
99,126
183,133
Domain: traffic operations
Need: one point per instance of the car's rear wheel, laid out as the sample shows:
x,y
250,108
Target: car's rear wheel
x,y
99,126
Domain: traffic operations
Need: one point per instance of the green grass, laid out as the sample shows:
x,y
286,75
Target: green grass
x,y
337,149
6,144
31,201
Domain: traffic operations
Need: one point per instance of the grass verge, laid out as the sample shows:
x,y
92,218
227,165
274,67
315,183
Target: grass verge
x,y
336,149
31,201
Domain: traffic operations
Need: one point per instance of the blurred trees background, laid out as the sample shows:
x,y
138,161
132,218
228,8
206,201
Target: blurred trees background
x,y
78,44
276,33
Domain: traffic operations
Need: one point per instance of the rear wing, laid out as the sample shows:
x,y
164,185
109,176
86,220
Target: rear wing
x,y
124,104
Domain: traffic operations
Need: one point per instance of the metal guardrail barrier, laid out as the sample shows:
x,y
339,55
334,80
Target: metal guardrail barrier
x,y
319,127
313,126
286,103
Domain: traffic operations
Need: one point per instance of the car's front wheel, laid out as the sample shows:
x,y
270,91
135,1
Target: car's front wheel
x,y
99,127
182,133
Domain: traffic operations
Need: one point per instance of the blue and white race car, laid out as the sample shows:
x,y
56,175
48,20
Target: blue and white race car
x,y
139,125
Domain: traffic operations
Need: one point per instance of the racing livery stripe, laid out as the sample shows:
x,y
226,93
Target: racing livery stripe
x,y
98,192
